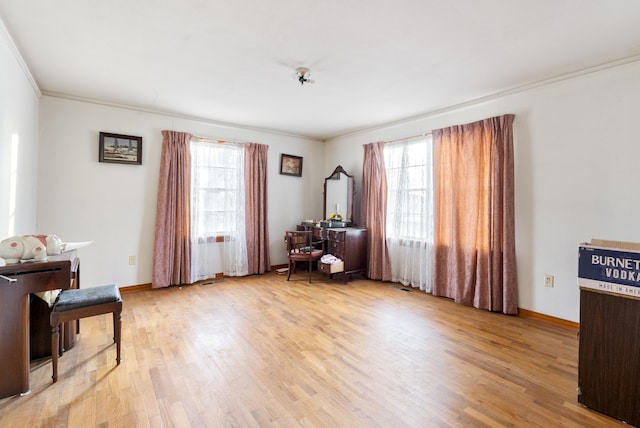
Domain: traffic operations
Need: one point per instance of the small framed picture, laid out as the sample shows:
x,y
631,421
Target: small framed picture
x,y
118,148
291,165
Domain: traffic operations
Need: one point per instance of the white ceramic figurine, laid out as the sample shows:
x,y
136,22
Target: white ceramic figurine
x,y
30,247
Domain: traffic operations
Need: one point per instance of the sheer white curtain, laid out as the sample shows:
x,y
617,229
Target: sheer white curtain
x,y
410,222
217,210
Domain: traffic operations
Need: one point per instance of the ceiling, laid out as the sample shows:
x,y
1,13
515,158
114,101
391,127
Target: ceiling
x,y
374,62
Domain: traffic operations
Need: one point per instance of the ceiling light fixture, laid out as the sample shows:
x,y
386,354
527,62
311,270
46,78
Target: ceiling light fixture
x,y
303,75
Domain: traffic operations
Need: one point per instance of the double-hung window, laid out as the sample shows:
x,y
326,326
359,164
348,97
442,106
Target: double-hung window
x,y
217,208
409,228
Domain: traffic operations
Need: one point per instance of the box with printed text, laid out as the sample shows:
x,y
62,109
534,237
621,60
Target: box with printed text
x,y
610,266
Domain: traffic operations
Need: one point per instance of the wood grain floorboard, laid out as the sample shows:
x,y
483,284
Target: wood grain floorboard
x,y
264,352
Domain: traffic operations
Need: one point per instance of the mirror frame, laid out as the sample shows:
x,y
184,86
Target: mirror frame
x,y
351,192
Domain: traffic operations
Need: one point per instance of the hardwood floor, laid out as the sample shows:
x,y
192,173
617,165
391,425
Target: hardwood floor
x,y
264,352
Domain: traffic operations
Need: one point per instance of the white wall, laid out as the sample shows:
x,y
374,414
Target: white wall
x,y
81,199
577,145
18,142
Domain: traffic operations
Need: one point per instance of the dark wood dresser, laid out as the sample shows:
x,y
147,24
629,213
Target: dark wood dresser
x,y
348,244
609,357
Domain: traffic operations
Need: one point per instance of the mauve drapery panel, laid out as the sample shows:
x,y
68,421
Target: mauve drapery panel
x,y
475,214
257,223
172,245
373,211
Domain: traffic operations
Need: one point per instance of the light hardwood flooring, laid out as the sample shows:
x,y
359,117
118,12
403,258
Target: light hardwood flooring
x,y
264,352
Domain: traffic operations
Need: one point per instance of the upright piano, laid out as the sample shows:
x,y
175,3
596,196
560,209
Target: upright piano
x,y
18,282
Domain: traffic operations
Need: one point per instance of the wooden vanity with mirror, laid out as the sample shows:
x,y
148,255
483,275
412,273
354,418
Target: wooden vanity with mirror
x,y
343,238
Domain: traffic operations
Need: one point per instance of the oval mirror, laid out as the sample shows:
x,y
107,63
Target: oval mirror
x,y
339,191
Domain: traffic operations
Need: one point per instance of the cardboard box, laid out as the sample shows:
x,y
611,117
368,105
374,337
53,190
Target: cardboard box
x,y
611,266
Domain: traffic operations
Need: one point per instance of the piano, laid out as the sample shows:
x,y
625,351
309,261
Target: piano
x,y
18,282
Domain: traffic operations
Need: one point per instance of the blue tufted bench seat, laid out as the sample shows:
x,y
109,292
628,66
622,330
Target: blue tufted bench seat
x,y
74,304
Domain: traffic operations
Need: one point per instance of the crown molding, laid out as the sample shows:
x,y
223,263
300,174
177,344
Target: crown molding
x,y
176,115
18,56
511,91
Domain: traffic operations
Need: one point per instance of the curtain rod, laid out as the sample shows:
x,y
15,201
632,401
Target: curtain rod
x,y
216,140
424,134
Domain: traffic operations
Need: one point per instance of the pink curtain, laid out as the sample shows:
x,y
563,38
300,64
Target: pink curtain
x,y
172,247
257,224
474,214
373,211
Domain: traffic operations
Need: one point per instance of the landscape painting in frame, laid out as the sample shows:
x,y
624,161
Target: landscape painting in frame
x,y
291,165
118,148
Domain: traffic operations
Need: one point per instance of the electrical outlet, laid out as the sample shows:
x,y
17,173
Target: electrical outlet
x,y
132,260
548,280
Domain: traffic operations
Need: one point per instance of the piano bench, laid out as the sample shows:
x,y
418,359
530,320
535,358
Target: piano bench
x,y
74,304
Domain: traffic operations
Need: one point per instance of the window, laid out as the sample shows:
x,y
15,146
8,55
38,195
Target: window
x,y
409,170
217,181
217,210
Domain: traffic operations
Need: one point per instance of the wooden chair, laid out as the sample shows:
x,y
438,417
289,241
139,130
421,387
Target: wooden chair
x,y
302,248
74,304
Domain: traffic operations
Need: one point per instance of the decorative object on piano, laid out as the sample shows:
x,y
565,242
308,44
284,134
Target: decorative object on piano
x,y
291,165
118,148
33,247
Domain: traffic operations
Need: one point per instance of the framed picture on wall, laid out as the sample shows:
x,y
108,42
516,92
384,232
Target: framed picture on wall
x,y
291,165
118,148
